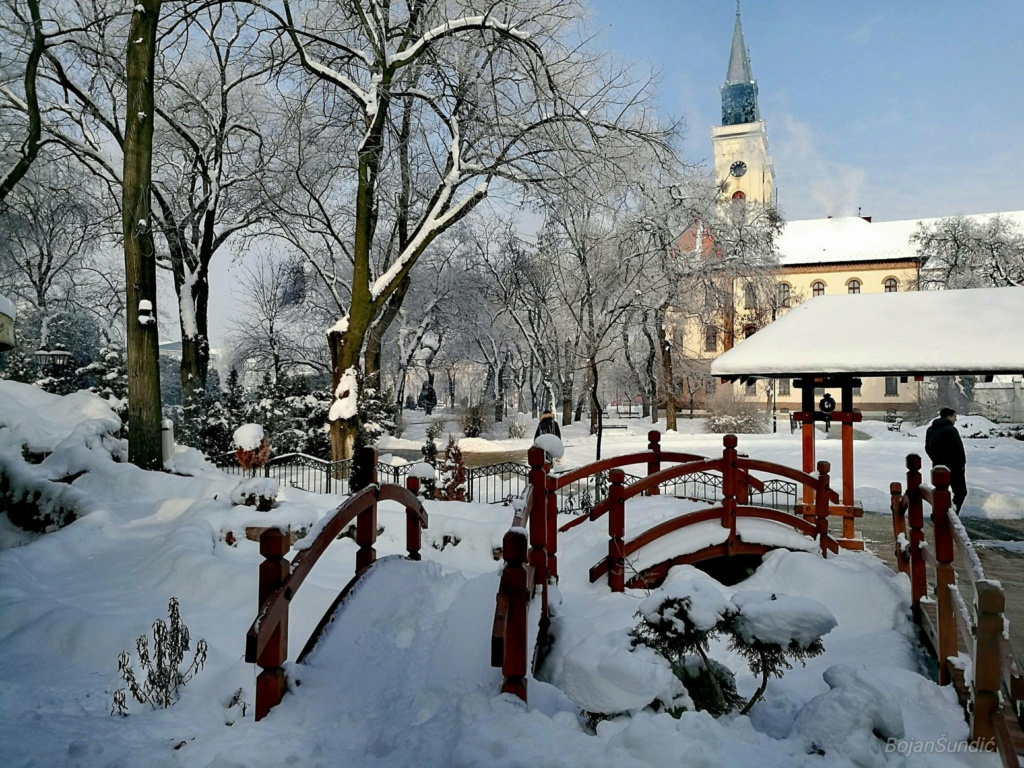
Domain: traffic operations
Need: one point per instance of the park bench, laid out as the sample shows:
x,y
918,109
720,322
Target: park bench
x,y
892,421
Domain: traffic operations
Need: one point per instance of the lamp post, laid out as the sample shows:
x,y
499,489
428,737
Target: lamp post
x,y
52,360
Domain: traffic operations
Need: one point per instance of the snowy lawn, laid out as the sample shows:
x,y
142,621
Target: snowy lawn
x,y
404,678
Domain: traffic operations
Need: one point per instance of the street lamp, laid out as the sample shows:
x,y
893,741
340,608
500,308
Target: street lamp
x,y
56,358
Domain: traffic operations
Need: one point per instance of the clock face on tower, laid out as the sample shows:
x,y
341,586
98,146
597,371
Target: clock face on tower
x,y
738,168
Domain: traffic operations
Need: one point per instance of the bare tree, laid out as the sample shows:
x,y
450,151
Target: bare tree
x,y
970,252
495,92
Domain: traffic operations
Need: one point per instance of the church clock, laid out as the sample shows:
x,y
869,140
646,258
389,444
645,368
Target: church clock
x,y
738,168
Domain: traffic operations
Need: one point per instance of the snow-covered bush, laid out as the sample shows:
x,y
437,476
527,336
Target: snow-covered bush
x,y
251,448
451,473
679,622
435,428
259,492
427,475
163,675
32,502
728,414
517,427
770,629
474,420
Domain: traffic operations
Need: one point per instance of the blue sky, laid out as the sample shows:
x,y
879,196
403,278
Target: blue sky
x,y
904,108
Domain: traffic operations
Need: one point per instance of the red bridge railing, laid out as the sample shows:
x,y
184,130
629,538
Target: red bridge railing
x,y
266,643
996,690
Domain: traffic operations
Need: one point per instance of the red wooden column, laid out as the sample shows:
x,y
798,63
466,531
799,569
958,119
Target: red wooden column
x,y
807,432
538,556
413,532
654,463
366,522
944,574
730,482
514,591
915,512
551,512
899,525
270,683
987,657
617,531
846,405
821,506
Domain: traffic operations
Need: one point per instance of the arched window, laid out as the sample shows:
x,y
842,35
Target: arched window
x,y
739,194
853,286
785,292
817,288
892,285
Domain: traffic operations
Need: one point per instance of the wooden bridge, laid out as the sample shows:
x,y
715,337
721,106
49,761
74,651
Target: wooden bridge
x,y
959,610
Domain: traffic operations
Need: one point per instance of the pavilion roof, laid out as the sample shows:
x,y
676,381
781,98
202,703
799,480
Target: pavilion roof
x,y
974,331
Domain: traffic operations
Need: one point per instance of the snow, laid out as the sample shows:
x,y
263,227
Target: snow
x,y
7,308
551,445
850,238
248,437
40,421
403,675
706,605
974,330
603,674
267,487
781,619
422,470
346,404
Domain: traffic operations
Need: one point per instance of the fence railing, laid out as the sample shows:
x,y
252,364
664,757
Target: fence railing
x,y
992,693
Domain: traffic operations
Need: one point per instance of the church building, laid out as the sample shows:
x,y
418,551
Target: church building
x,y
819,257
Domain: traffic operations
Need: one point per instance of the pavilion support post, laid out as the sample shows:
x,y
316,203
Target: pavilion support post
x,y
538,555
807,431
730,481
366,521
617,531
915,513
945,578
654,463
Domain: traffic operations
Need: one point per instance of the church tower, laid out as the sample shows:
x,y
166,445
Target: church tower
x,y
741,142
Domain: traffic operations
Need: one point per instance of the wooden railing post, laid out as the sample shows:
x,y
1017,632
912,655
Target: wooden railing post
x,y
654,463
270,683
366,522
987,657
915,513
730,481
899,526
513,588
945,577
821,506
413,531
617,531
538,555
551,512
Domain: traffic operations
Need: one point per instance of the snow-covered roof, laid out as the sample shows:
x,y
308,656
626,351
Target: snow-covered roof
x,y
851,238
978,331
7,308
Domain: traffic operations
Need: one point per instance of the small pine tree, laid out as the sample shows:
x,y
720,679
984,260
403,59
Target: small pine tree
x,y
428,398
234,399
451,483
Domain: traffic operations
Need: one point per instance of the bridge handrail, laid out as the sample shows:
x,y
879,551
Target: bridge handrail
x,y
559,481
266,642
525,566
995,667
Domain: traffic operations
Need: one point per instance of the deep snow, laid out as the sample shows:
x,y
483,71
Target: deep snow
x,y
403,678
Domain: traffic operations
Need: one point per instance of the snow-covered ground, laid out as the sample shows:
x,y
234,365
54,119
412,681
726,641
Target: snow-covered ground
x,y
404,678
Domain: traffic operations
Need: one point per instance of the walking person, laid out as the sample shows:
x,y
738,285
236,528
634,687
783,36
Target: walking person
x,y
547,426
943,445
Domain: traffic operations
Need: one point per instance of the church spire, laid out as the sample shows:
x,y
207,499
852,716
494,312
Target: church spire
x,y
739,94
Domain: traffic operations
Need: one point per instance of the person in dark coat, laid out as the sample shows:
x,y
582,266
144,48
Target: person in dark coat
x,y
547,426
943,445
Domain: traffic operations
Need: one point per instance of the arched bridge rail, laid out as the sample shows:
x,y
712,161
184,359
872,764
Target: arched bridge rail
x,y
736,481
266,643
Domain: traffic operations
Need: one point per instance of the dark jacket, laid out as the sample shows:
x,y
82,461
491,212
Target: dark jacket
x,y
943,445
548,426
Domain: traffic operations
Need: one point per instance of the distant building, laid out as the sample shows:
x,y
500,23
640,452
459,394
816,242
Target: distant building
x,y
817,257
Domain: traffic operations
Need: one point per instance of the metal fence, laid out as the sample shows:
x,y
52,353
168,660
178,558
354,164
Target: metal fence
x,y
497,483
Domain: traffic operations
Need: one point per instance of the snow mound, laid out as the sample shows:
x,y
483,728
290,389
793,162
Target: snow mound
x,y
781,619
266,487
551,445
601,674
852,718
41,421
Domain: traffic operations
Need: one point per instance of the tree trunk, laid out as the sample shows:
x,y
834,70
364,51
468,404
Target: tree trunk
x,y
666,393
139,250
30,148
